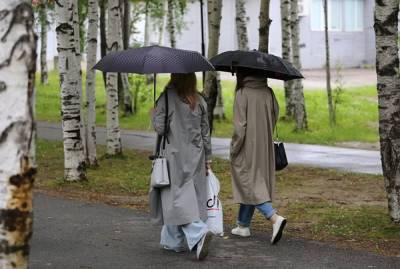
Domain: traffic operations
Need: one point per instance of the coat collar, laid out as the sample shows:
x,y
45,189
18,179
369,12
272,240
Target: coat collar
x,y
255,82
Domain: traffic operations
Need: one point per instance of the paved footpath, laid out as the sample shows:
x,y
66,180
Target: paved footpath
x,y
70,234
346,159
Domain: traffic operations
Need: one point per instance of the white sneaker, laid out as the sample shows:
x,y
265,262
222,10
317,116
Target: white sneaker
x,y
202,246
277,229
241,231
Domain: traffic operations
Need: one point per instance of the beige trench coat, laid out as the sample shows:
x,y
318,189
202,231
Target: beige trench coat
x,y
252,149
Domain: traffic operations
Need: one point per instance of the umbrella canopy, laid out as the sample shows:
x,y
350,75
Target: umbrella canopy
x,y
267,64
154,59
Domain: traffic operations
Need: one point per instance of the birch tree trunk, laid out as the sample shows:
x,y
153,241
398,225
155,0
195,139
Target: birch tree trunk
x,y
163,22
241,25
171,23
43,43
114,146
126,24
17,80
74,165
300,114
77,37
332,117
287,55
103,34
387,69
214,8
149,77
265,22
91,51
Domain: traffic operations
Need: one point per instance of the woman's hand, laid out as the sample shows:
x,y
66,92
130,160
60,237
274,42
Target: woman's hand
x,y
208,167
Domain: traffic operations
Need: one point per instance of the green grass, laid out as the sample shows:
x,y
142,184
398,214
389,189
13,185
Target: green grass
x,y
357,112
304,195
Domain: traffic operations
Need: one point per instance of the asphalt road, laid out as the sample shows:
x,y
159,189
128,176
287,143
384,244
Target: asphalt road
x,y
345,159
70,234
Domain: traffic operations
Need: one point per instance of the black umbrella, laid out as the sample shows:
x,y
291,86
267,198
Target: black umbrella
x,y
153,60
266,64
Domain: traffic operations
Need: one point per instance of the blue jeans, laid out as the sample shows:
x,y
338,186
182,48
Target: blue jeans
x,y
174,236
246,212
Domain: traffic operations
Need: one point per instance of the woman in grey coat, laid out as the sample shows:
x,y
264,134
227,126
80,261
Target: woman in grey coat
x,y
181,207
252,152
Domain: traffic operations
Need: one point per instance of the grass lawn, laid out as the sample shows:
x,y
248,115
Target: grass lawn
x,y
357,112
347,209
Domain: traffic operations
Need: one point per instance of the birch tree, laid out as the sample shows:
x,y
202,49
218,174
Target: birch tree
x,y
387,69
103,35
263,30
125,96
17,80
114,146
241,25
214,8
93,18
332,117
287,55
300,113
74,164
162,22
43,42
170,22
77,42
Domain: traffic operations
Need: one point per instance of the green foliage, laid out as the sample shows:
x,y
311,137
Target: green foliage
x,y
82,14
357,115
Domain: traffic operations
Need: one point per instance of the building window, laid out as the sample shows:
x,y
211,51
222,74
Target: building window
x,y
343,15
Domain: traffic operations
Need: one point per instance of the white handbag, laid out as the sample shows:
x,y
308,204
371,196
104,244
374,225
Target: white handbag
x,y
160,174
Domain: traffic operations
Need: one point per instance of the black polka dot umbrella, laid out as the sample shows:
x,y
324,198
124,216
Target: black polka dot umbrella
x,y
153,60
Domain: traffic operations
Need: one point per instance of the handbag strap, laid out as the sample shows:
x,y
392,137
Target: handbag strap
x,y
166,125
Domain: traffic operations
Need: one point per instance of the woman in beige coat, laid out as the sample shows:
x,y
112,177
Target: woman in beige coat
x,y
252,152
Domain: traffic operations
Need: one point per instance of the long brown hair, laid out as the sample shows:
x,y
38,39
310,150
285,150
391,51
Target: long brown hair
x,y
185,86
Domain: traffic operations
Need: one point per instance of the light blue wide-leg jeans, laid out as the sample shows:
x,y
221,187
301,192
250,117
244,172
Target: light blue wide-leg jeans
x,y
174,236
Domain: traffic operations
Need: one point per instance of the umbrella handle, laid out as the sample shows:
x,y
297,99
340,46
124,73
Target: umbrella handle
x,y
154,88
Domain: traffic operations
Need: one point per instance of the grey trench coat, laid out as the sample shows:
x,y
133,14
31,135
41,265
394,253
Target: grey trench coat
x,y
252,151
184,201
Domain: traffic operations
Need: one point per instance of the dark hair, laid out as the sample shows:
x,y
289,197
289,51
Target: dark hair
x,y
186,87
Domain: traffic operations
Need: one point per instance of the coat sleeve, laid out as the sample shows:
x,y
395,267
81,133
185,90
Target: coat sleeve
x,y
158,119
205,129
239,122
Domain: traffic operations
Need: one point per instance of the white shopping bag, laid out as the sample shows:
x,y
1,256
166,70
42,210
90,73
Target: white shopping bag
x,y
215,220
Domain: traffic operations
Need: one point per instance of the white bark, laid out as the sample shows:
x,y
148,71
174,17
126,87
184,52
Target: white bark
x,y
287,55
387,69
74,166
214,9
171,23
114,43
300,114
241,25
78,54
90,134
17,76
162,24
